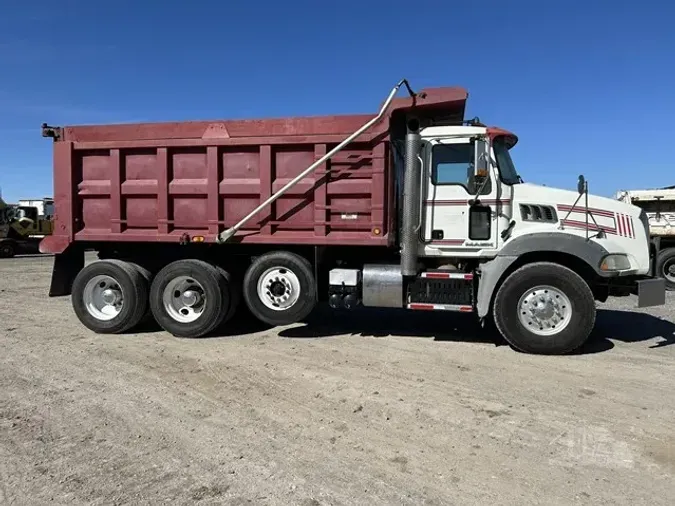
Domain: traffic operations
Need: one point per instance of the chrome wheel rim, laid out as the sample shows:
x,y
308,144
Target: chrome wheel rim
x,y
279,288
103,297
184,299
544,310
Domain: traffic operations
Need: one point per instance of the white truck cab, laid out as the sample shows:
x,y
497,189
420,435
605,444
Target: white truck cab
x,y
533,258
518,210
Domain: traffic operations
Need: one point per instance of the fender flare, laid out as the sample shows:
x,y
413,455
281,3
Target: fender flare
x,y
491,272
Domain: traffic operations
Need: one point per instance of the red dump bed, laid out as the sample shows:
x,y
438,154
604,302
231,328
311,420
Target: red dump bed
x,y
157,182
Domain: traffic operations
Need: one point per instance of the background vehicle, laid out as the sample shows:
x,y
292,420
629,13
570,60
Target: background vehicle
x,y
23,226
659,204
413,208
44,206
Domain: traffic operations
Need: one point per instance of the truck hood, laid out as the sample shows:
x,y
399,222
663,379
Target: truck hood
x,y
563,199
625,228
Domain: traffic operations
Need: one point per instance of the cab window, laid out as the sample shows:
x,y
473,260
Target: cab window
x,y
452,164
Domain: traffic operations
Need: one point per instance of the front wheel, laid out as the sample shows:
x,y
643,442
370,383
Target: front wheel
x,y
7,249
545,308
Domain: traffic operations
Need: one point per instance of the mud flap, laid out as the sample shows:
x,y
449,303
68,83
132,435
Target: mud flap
x,y
651,292
66,266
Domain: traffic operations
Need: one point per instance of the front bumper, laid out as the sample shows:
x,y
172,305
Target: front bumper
x,y
650,291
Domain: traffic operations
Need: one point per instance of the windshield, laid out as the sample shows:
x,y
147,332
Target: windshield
x,y
8,215
507,170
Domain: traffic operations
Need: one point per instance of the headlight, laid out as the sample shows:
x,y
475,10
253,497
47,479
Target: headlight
x,y
615,262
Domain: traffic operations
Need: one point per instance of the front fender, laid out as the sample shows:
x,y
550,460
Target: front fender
x,y
491,272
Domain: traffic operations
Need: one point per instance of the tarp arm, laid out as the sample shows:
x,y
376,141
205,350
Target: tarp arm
x,y
225,235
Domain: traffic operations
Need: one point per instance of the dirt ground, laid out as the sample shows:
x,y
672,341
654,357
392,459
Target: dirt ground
x,y
367,408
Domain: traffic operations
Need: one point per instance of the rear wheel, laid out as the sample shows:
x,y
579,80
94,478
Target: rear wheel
x,y
7,249
234,285
279,288
544,308
147,277
110,296
189,298
665,267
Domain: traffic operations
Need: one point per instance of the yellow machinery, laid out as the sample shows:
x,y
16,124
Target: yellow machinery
x,y
22,228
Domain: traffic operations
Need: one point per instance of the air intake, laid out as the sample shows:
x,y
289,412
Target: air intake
x,y
538,213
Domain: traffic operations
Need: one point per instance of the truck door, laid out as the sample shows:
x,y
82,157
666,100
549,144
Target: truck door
x,y
451,224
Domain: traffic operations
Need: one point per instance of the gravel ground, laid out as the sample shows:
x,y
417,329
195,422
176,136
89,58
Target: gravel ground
x,y
374,408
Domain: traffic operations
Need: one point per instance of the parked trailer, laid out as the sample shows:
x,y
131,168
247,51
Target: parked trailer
x,y
659,205
411,208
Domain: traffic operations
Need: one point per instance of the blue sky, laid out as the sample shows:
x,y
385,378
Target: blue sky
x,y
587,86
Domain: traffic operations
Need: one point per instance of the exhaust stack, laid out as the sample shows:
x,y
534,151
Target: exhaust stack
x,y
411,201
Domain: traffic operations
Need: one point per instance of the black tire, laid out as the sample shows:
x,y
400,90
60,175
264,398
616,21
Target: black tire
x,y
506,309
234,285
7,249
134,288
147,276
145,273
216,292
665,260
298,266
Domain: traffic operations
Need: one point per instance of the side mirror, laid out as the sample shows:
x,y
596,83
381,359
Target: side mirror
x,y
480,165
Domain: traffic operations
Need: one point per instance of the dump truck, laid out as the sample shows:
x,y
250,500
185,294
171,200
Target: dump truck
x,y
659,205
413,207
22,227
